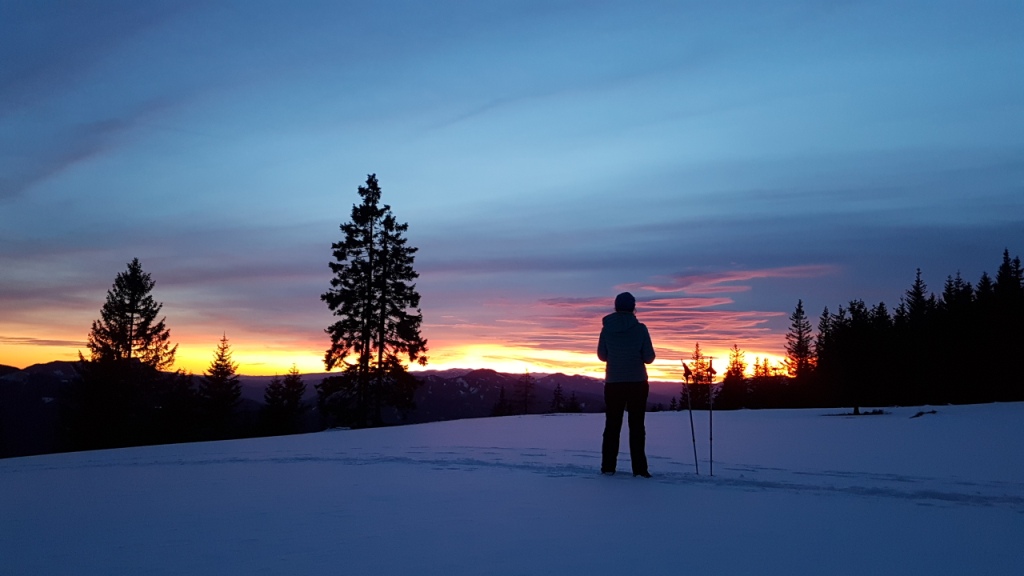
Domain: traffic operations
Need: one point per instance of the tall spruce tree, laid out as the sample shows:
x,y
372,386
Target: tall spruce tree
x,y
121,392
128,328
220,389
799,344
373,296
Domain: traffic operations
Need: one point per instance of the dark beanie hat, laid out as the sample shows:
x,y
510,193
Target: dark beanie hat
x,y
625,302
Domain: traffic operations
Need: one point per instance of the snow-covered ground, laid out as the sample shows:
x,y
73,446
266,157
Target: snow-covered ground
x,y
794,492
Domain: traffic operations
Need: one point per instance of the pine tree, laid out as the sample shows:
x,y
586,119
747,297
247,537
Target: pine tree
x,y
957,296
284,402
274,397
885,366
699,364
558,399
120,396
294,389
1009,284
128,328
734,383
917,305
1006,328
502,407
799,344
377,307
573,404
824,333
956,337
760,370
700,367
737,365
916,340
985,288
219,389
523,393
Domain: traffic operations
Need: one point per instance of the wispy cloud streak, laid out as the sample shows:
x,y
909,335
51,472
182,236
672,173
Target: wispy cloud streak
x,y
31,341
729,281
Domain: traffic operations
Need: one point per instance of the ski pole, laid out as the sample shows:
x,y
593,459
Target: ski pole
x,y
711,430
689,404
711,414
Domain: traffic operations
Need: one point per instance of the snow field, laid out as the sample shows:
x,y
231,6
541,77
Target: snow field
x,y
794,492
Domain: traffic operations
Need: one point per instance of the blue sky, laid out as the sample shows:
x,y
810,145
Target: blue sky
x,y
545,154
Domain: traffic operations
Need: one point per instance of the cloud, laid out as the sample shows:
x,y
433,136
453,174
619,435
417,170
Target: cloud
x,y
47,151
29,341
573,324
726,282
48,47
61,151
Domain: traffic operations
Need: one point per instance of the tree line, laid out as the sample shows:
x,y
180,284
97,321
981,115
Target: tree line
x,y
522,401
126,394
960,346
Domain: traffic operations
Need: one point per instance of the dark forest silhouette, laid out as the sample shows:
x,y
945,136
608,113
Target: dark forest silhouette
x,y
962,346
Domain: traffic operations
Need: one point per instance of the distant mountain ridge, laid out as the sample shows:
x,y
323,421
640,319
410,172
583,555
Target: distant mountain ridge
x,y
483,384
29,407
463,393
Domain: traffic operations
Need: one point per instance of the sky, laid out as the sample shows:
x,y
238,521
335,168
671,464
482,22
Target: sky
x,y
792,493
720,162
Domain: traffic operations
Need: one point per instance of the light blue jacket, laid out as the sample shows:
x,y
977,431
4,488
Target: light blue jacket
x,y
625,346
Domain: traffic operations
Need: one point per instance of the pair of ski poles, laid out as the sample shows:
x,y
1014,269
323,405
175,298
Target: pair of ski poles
x,y
687,375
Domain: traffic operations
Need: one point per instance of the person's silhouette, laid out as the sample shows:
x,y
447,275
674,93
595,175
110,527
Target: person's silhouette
x,y
625,347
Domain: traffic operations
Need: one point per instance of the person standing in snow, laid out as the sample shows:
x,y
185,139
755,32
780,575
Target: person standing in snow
x,y
625,347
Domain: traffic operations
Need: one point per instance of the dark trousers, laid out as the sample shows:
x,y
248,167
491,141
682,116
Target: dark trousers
x,y
630,397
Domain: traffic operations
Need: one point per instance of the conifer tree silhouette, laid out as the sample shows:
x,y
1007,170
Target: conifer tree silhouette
x,y
376,304
220,389
121,390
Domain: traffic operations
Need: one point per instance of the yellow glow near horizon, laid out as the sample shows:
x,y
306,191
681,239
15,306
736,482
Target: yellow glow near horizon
x,y
514,359
256,359
510,359
261,362
24,355
252,359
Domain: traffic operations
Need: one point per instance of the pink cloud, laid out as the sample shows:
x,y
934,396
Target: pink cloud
x,y
726,282
573,324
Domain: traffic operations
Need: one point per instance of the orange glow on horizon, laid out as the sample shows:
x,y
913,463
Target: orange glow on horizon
x,y
260,362
542,336
255,359
22,356
513,359
547,336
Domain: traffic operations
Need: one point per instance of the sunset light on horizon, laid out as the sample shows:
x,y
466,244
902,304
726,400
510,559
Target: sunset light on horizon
x,y
557,335
720,161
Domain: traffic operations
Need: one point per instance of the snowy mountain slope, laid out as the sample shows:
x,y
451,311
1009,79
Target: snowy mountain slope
x,y
794,492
